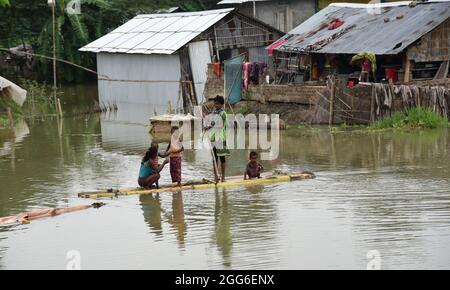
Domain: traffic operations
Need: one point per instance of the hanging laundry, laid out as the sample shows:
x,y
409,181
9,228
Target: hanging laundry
x,y
247,69
217,69
254,73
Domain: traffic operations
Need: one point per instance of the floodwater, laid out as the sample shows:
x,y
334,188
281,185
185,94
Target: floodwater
x,y
379,198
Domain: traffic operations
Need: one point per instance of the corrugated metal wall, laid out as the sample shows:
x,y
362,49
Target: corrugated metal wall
x,y
200,56
283,15
239,31
139,79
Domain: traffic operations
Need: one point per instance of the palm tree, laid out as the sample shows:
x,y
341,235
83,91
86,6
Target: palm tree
x,y
71,34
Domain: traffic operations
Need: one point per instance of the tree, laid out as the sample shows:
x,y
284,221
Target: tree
x,y
4,3
71,34
30,22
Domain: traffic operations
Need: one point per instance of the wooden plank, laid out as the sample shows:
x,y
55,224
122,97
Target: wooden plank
x,y
332,95
407,70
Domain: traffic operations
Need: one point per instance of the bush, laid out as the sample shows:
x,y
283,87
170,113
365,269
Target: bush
x,y
416,118
6,103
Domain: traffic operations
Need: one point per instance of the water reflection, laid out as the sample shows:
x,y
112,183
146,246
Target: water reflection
x,y
155,214
222,227
365,150
10,138
176,218
151,209
385,191
41,160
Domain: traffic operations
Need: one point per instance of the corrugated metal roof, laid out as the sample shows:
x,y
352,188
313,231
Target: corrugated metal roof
x,y
382,29
157,33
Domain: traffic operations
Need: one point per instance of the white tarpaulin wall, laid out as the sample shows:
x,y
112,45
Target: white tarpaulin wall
x,y
13,91
200,57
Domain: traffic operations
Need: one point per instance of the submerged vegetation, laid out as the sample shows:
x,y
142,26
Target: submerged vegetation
x,y
6,103
416,118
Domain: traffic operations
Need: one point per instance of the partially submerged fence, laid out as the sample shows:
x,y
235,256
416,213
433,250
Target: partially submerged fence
x,y
367,103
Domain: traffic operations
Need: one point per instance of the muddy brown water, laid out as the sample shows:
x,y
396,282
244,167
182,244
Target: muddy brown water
x,y
383,192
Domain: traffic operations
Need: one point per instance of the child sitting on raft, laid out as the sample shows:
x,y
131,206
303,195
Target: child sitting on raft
x,y
150,169
254,168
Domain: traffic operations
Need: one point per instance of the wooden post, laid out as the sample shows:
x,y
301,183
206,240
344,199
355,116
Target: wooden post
x,y
372,105
169,107
192,98
217,44
407,70
332,95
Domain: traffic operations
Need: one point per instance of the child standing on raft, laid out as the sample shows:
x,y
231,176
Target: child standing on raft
x,y
174,150
218,133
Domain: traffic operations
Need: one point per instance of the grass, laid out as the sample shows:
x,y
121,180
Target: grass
x,y
40,101
6,103
416,118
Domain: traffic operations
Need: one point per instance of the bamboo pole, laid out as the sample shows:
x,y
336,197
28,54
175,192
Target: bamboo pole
x,y
59,60
217,44
60,112
215,167
201,186
54,53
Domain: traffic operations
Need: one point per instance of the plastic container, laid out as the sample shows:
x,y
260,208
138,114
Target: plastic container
x,y
391,74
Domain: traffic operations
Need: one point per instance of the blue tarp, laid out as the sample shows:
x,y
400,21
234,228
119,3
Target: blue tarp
x,y
233,79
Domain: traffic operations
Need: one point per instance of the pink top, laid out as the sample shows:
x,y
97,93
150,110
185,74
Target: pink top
x,y
366,66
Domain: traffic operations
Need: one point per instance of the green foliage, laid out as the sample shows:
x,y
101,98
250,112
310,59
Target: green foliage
x,y
36,91
416,118
30,21
4,3
6,103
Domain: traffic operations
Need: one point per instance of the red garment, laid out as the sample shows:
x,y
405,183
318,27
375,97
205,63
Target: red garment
x,y
335,24
217,69
247,68
366,66
175,169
